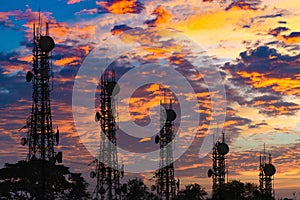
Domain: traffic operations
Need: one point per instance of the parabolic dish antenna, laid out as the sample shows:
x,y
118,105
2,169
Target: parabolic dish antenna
x,y
269,169
157,138
113,88
97,117
29,76
171,115
223,148
46,43
210,173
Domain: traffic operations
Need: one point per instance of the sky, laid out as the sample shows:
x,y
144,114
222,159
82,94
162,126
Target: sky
x,y
248,59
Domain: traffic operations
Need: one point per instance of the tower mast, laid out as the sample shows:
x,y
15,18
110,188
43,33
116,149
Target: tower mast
x,y
218,171
107,170
41,136
165,181
266,176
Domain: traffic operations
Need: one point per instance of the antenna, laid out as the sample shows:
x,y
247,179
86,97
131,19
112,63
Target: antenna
x,y
40,22
223,136
47,29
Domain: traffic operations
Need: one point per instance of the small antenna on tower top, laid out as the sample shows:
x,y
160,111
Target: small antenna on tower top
x,y
259,159
47,28
40,23
164,95
223,136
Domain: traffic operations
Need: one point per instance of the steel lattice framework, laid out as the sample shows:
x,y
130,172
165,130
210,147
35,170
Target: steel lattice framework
x,y
41,137
266,177
218,171
165,181
107,170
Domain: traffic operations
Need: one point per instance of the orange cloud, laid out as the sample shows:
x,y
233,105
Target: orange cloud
x,y
292,38
73,1
144,139
121,6
162,16
120,29
11,67
85,48
68,61
27,58
287,85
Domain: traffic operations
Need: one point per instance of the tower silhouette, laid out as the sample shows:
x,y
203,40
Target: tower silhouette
x,y
266,177
107,170
165,181
218,171
41,136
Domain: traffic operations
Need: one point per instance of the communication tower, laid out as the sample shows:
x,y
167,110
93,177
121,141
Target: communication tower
x,y
107,171
165,181
41,137
266,177
218,171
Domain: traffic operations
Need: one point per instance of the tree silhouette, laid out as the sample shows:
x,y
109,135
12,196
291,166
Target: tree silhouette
x,y
138,190
241,191
192,191
39,179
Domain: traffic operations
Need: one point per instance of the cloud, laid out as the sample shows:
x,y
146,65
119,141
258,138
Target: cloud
x,y
118,29
293,38
258,125
271,16
278,31
7,22
73,1
265,70
87,11
244,5
120,6
274,106
162,16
